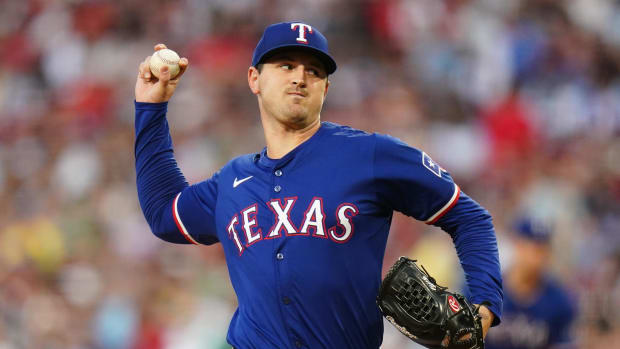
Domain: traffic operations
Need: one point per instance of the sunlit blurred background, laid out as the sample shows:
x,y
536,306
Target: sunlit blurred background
x,y
518,99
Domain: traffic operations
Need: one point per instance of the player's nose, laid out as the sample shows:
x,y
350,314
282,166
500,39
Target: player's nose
x,y
298,75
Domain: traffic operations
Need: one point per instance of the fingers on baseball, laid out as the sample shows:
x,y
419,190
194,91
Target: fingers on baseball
x,y
144,71
159,47
183,63
164,74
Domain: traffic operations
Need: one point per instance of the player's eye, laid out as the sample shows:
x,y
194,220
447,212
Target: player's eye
x,y
313,71
286,66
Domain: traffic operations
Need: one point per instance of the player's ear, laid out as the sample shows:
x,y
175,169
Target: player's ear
x,y
253,80
326,88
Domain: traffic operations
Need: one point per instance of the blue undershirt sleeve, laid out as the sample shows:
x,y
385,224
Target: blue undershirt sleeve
x,y
175,211
472,232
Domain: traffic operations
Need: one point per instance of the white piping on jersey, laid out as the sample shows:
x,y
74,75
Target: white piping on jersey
x,y
180,224
443,210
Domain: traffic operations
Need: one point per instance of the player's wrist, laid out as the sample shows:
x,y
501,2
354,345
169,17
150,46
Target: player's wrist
x,y
146,105
156,97
487,318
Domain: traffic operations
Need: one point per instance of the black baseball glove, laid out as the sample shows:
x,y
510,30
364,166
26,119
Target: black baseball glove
x,y
427,313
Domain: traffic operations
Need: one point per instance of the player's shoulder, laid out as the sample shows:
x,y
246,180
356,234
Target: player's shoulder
x,y
241,161
344,132
382,143
386,143
351,135
394,150
386,140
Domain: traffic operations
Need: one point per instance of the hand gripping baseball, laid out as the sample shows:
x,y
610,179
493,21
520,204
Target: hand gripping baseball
x,y
153,90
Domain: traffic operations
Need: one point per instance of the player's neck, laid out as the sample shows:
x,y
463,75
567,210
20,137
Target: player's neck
x,y
281,139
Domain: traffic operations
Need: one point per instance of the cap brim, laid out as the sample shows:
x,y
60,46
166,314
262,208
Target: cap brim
x,y
327,60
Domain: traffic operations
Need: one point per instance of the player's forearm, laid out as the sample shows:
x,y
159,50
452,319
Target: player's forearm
x,y
471,228
158,177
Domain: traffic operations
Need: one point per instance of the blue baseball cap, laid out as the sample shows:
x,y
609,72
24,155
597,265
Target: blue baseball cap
x,y
286,35
533,230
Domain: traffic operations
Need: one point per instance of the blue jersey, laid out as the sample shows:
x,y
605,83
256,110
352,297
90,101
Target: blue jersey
x,y
305,235
543,322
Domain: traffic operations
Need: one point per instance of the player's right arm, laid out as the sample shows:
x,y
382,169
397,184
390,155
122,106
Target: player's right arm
x,y
175,211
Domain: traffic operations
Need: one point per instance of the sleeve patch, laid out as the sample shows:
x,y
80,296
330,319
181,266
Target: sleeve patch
x,y
431,165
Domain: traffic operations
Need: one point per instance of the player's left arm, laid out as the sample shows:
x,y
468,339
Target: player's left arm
x,y
472,232
409,181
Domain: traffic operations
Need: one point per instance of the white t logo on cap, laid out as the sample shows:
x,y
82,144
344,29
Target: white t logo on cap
x,y
302,31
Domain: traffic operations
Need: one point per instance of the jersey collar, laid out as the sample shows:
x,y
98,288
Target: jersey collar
x,y
267,163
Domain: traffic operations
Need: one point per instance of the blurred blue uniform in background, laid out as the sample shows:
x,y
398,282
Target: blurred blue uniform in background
x,y
538,311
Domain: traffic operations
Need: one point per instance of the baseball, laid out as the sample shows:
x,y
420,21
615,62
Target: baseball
x,y
165,57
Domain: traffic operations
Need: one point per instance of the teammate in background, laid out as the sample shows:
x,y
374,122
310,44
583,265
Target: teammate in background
x,y
538,312
304,222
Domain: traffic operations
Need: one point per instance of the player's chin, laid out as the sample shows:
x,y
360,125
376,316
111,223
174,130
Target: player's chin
x,y
297,111
298,120
297,116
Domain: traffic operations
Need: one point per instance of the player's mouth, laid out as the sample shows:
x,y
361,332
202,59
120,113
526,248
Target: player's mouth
x,y
296,93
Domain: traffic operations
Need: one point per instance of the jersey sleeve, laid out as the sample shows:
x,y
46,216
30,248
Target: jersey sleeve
x,y
193,212
171,207
471,228
409,181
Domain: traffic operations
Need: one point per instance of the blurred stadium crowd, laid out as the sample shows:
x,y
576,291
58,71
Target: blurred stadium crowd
x,y
519,100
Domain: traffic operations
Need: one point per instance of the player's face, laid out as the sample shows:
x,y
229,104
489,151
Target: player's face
x,y
291,88
532,256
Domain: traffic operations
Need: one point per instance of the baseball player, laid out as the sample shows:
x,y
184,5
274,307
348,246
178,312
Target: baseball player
x,y
304,222
539,312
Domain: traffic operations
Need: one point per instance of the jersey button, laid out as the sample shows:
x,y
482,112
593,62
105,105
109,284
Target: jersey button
x,y
280,256
277,188
298,344
278,173
286,300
